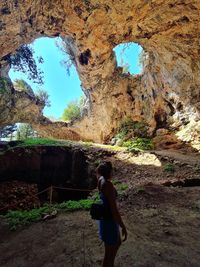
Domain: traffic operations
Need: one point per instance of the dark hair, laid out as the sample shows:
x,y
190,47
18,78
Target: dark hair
x,y
105,169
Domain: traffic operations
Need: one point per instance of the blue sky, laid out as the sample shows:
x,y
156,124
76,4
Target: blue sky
x,y
129,56
61,87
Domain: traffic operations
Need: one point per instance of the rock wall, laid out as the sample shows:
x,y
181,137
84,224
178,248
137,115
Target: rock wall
x,y
46,166
168,30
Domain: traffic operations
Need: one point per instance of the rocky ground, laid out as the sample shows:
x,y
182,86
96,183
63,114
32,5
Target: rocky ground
x,y
18,195
163,222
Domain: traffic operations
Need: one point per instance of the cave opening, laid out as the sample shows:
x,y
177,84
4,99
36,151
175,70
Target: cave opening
x,y
61,82
130,56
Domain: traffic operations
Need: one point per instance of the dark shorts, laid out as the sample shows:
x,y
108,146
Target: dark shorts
x,y
109,232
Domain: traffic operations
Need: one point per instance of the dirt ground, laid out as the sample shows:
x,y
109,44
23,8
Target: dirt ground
x,y
163,222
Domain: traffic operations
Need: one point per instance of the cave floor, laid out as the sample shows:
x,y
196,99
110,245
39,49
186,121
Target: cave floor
x,y
163,230
163,222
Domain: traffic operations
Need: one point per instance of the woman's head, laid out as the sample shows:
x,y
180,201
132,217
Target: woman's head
x,y
105,169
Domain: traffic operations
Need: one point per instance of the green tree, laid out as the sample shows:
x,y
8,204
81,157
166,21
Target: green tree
x,y
24,61
74,109
25,131
43,96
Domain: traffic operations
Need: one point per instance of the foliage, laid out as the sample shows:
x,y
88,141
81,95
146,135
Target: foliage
x,y
169,167
42,141
133,135
24,61
24,131
65,48
120,186
3,85
7,131
73,110
129,129
138,144
72,205
21,85
43,96
95,197
25,217
87,144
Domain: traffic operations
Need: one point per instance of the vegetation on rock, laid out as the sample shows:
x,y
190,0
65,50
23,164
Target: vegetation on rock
x,y
41,94
133,135
43,97
130,129
34,141
138,144
3,85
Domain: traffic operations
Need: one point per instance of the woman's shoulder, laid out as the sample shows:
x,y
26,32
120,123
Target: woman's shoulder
x,y
101,183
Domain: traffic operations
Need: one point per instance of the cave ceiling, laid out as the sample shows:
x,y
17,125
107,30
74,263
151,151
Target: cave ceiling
x,y
168,31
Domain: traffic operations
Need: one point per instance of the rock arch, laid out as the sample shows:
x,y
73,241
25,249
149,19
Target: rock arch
x,y
167,30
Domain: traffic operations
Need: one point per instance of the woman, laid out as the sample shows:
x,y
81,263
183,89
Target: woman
x,y
109,226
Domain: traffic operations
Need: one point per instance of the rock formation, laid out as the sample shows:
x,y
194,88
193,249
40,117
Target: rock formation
x,y
166,93
48,165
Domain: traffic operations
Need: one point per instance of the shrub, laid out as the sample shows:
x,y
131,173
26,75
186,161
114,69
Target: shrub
x,y
26,217
138,144
3,85
72,205
169,167
121,187
21,85
43,97
129,129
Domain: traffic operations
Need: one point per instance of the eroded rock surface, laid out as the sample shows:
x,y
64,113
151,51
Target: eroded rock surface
x,y
60,166
166,93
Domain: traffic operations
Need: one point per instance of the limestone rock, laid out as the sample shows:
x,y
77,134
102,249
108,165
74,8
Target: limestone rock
x,y
168,31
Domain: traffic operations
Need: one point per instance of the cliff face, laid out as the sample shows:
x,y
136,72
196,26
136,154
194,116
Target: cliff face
x,y
166,92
